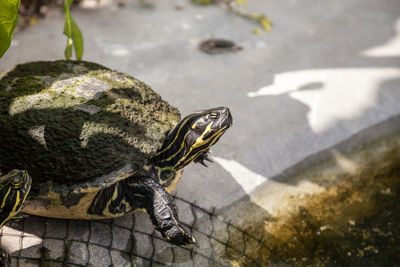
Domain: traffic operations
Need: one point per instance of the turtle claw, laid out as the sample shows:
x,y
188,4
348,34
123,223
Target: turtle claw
x,y
195,242
204,157
209,160
202,163
177,236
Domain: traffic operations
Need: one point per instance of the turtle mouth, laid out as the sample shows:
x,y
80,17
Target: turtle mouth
x,y
225,120
228,121
219,128
222,117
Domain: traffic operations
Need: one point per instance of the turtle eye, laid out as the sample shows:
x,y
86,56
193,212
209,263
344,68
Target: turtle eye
x,y
214,115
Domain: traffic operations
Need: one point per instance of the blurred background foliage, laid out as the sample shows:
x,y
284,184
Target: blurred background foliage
x,y
8,22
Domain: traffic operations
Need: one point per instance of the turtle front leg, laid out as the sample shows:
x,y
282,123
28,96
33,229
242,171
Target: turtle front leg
x,y
161,207
14,221
203,157
5,259
142,192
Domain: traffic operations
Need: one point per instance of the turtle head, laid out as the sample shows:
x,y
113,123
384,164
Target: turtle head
x,y
191,137
14,188
207,127
203,132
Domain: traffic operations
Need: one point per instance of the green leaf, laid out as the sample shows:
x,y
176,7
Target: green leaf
x,y
202,2
73,33
241,2
8,22
257,31
265,23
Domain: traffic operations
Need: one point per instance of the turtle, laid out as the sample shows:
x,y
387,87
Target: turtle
x,y
14,188
100,144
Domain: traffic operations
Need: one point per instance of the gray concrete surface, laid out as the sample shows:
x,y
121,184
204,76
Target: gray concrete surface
x,y
327,71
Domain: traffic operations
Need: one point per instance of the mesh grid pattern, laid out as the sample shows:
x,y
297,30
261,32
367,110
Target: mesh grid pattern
x,y
127,241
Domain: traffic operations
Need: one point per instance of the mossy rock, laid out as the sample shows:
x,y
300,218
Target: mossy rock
x,y
75,121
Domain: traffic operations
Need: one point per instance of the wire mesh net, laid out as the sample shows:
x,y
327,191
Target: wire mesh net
x,y
127,241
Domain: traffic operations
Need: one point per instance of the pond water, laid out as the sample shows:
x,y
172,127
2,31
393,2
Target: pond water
x,y
346,226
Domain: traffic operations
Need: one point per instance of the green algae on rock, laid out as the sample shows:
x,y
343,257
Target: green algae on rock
x,y
78,119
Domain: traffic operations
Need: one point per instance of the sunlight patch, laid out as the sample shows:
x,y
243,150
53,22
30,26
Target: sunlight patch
x,y
389,49
331,94
11,240
38,133
246,178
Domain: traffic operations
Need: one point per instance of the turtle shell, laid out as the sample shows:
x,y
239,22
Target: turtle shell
x,y
78,124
